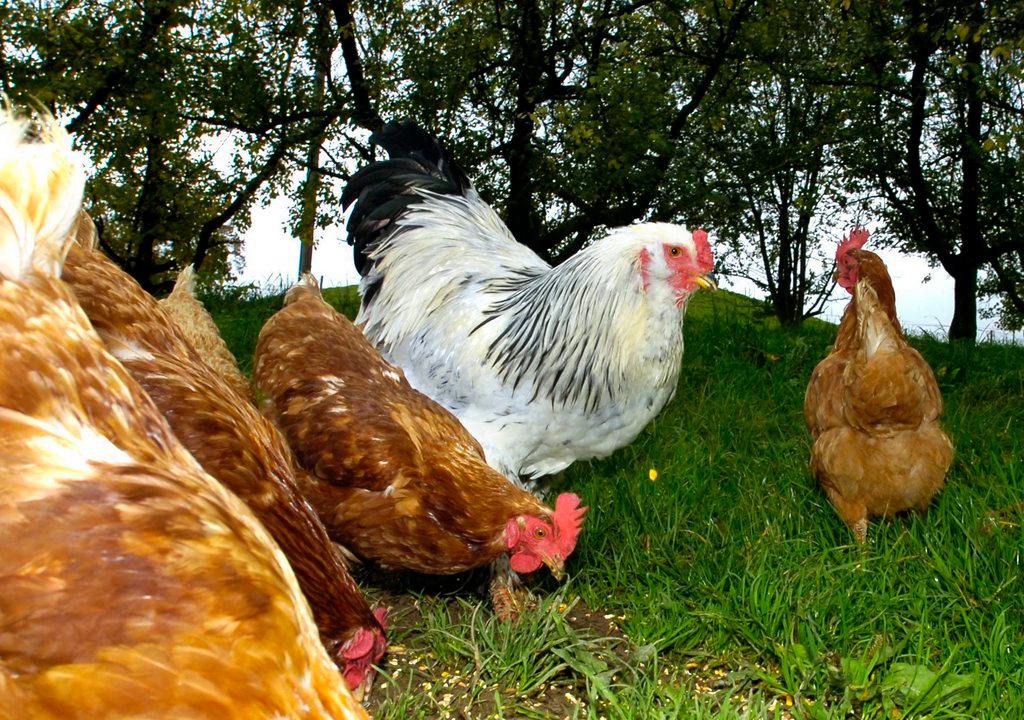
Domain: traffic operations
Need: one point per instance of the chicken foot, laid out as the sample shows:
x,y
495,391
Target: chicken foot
x,y
509,597
854,514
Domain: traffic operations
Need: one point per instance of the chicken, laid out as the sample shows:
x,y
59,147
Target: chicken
x,y
873,405
235,444
398,479
543,365
201,332
132,584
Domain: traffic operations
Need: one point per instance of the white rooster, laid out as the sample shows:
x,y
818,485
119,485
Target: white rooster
x,y
544,365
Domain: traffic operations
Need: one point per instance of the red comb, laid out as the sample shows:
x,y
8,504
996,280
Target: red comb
x,y
568,519
858,236
381,614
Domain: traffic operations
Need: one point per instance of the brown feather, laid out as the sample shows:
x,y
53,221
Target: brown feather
x,y
131,583
199,329
224,432
873,407
398,479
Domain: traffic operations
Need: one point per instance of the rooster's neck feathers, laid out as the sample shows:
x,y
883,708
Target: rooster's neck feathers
x,y
563,328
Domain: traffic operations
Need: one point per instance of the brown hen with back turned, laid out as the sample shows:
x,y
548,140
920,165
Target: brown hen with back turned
x,y
873,405
397,478
132,584
199,329
233,442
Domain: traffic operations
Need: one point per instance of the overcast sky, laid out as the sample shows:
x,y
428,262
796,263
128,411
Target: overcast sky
x,y
272,258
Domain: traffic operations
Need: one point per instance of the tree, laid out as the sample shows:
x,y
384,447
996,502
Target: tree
x,y
576,115
941,127
780,172
775,164
188,111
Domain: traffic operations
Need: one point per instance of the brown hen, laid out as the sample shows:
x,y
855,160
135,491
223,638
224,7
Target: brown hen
x,y
398,479
132,584
873,405
234,443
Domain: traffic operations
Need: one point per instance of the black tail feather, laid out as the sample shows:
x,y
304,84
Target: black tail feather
x,y
384,190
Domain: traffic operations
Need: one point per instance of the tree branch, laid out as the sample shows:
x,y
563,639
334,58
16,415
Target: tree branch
x,y
270,166
364,114
580,227
1008,285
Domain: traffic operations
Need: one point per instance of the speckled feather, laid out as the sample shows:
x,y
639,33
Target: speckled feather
x,y
873,409
543,365
224,432
400,481
132,584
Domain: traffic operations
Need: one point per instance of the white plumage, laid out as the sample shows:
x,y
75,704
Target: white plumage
x,y
543,365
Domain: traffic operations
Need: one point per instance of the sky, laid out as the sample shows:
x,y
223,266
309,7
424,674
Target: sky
x,y
271,258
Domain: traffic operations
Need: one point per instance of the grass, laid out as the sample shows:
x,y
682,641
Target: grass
x,y
734,590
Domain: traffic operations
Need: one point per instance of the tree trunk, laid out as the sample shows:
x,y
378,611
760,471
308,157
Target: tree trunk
x,y
965,305
527,59
965,294
306,230
150,211
364,112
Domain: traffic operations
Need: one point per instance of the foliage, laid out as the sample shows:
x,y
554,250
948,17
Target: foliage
x,y
574,115
776,124
186,109
939,126
776,165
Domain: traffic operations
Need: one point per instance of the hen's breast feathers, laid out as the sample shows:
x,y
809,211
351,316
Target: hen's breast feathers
x,y
873,379
888,383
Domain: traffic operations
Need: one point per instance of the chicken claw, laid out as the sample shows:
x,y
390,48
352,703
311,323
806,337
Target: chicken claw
x,y
509,599
860,530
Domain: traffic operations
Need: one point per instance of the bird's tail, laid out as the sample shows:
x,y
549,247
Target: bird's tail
x,y
85,232
41,184
383,191
307,285
185,285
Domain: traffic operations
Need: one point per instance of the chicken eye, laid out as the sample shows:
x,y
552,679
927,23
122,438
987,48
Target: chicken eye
x,y
540,532
673,251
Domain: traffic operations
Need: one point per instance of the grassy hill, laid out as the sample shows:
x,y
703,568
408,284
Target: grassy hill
x,y
727,587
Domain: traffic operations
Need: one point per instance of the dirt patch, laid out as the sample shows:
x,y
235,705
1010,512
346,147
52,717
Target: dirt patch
x,y
422,677
461,687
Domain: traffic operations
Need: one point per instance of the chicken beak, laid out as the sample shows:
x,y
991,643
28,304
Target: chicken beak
x,y
706,281
556,565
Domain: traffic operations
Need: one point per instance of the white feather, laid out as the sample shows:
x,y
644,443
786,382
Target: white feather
x,y
544,366
41,184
